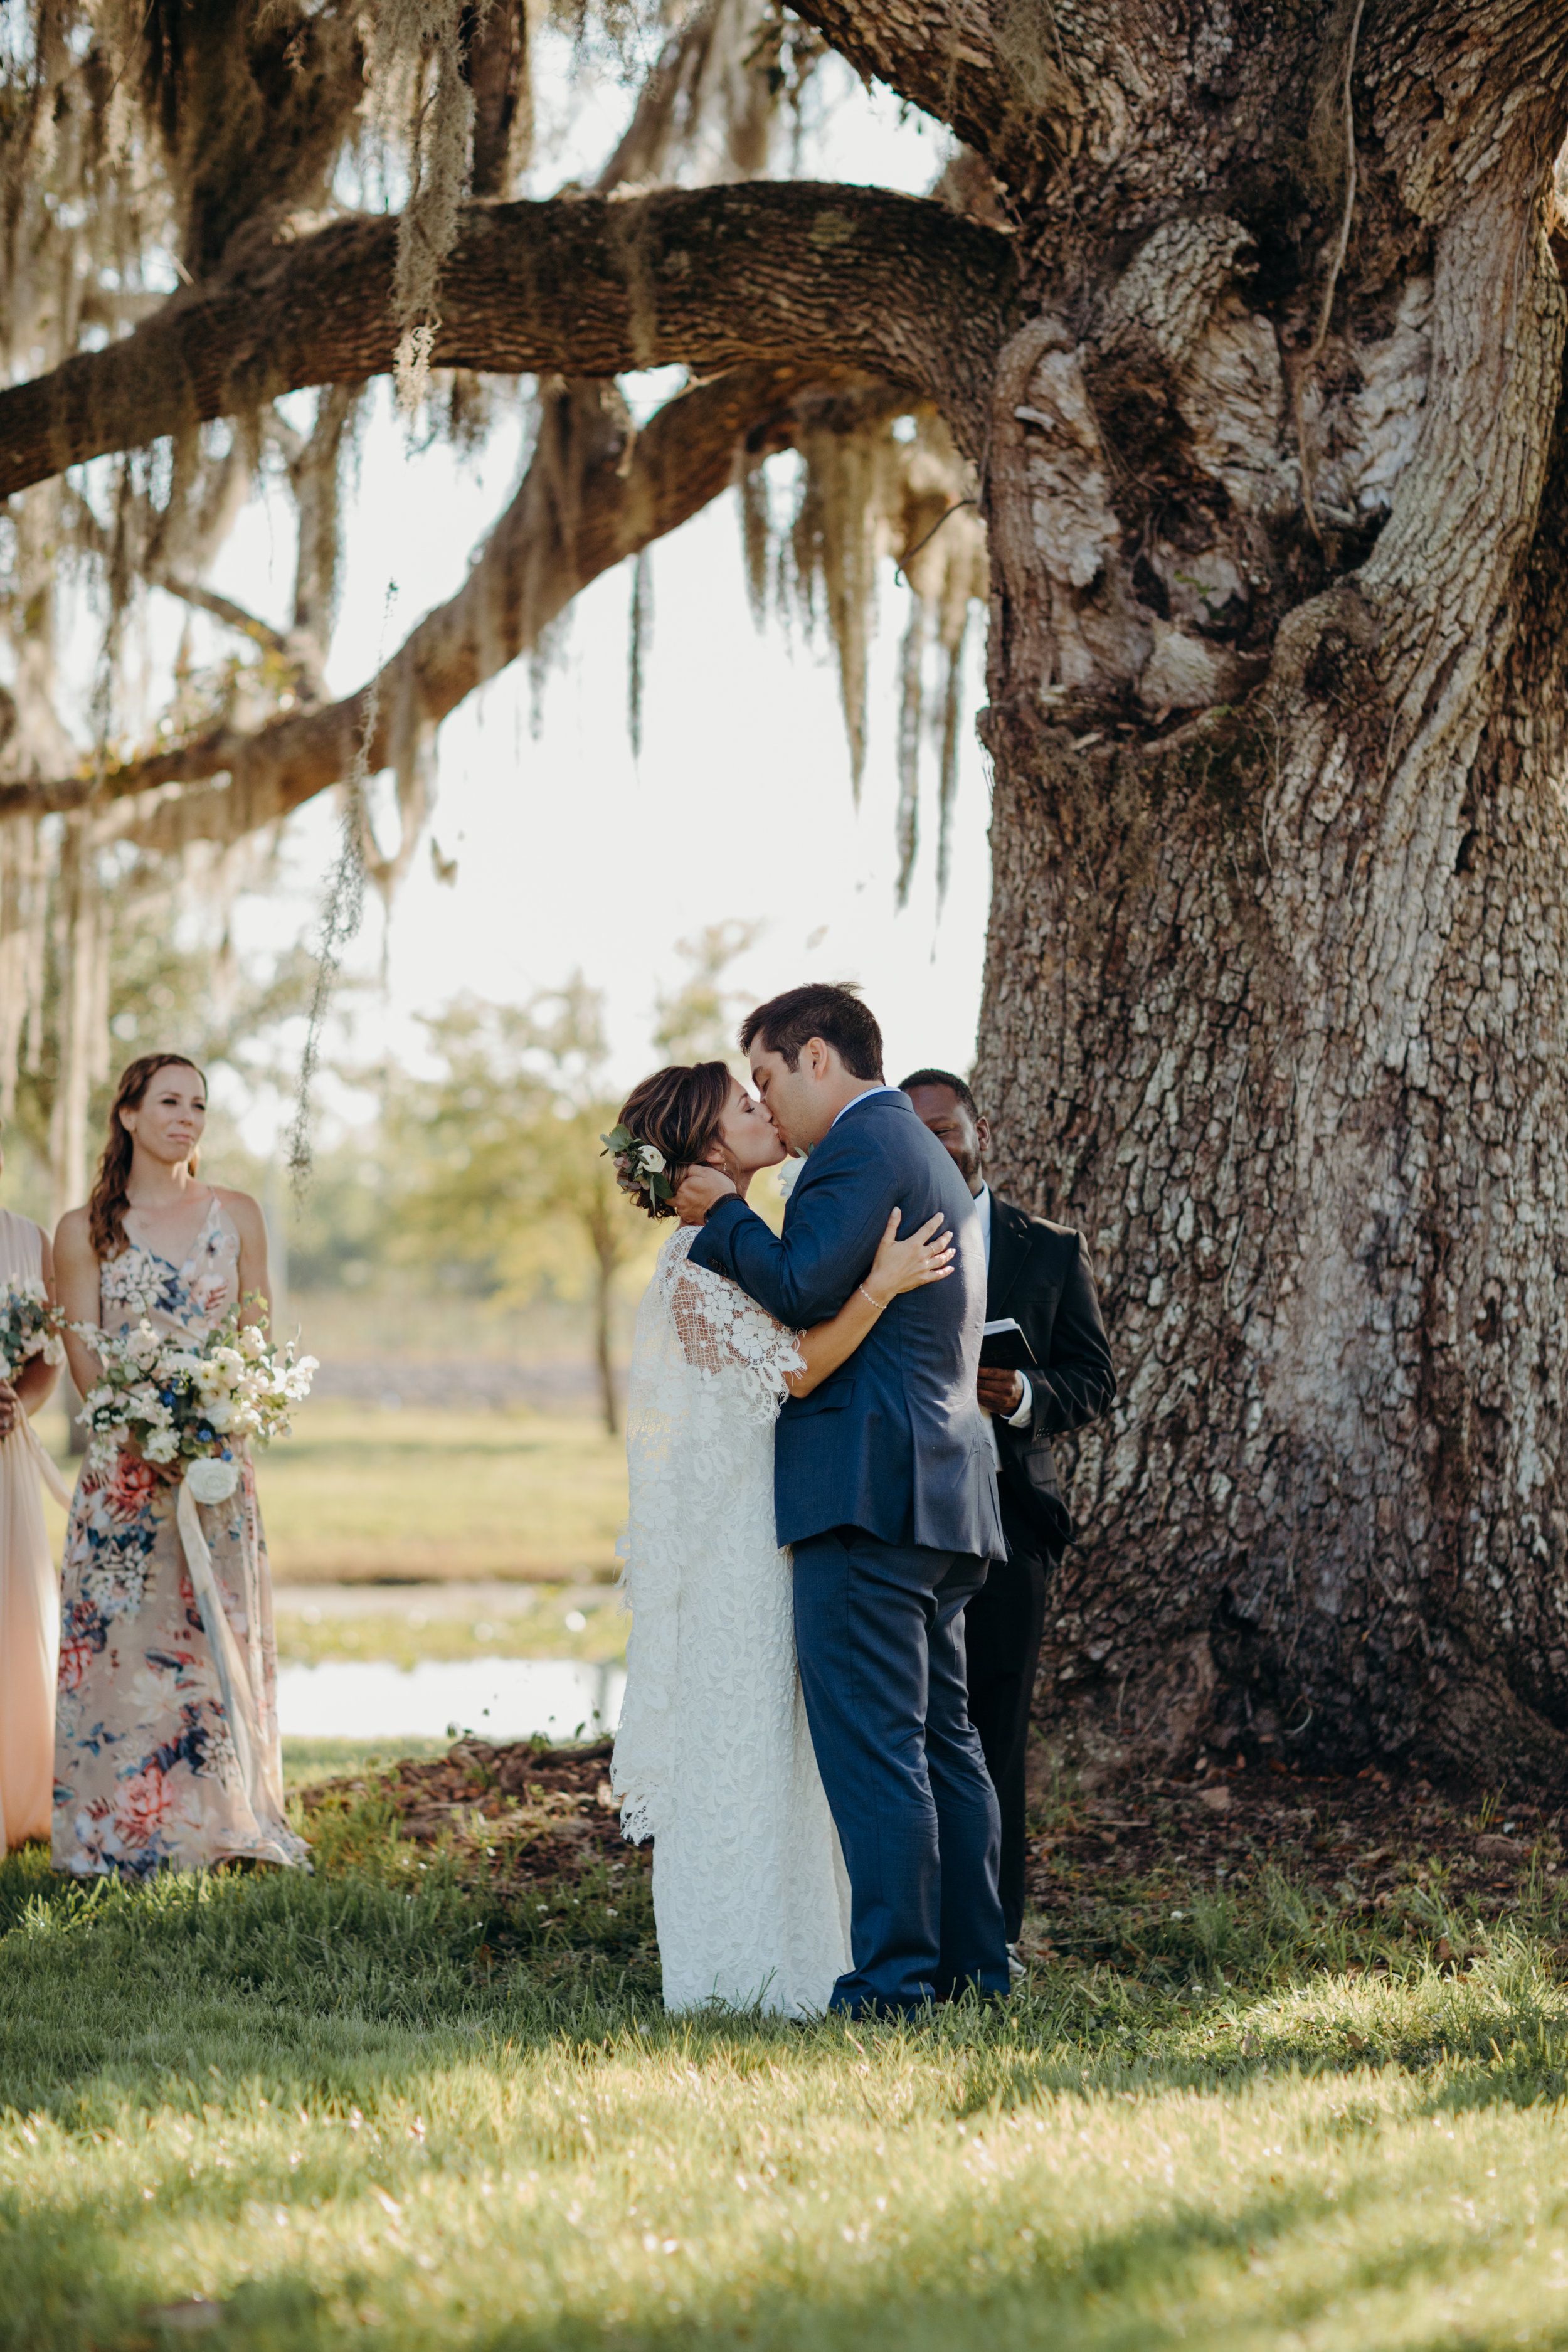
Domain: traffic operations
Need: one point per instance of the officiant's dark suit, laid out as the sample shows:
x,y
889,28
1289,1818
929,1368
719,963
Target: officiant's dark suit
x,y
1039,1274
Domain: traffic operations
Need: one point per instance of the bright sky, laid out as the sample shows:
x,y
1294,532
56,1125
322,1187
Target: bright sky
x,y
571,853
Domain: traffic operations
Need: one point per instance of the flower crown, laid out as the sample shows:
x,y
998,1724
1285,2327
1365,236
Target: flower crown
x,y
639,1167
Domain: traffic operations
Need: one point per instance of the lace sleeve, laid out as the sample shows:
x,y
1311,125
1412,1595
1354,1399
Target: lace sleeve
x,y
723,1331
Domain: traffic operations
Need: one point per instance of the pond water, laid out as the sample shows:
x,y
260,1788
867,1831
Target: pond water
x,y
499,1698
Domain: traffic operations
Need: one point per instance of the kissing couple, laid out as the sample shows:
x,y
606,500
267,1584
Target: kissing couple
x,y
813,1502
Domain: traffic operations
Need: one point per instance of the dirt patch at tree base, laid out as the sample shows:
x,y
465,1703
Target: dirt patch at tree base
x,y
512,1813
1142,1871
1235,1870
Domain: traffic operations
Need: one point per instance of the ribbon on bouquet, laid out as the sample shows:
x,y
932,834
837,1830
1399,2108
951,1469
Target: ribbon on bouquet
x,y
53,1483
235,1682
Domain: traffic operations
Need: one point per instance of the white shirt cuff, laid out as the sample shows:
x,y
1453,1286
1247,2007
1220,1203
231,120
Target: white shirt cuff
x,y
1020,1420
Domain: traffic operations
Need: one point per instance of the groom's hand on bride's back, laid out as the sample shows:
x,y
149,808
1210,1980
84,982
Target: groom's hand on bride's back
x,y
696,1191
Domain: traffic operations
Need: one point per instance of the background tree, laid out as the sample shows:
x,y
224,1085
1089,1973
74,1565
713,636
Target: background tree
x,y
1249,324
698,1021
502,1179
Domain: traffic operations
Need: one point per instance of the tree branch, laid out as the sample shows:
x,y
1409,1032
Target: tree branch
x,y
594,494
224,609
1010,99
790,273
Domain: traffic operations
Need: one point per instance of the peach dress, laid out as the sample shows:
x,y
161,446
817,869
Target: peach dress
x,y
29,1599
147,1777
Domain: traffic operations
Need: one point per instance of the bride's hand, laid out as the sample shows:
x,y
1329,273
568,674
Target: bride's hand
x,y
926,1256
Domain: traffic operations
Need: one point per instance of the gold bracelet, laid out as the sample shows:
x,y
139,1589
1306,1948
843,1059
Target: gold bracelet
x,y
878,1303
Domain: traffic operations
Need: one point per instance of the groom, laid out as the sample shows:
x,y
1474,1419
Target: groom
x,y
883,1485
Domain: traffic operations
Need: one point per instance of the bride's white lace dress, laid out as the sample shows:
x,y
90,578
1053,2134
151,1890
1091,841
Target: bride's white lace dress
x,y
713,1756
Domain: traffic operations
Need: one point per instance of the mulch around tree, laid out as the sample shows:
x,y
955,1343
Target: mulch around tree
x,y
534,1814
1374,1849
1111,1873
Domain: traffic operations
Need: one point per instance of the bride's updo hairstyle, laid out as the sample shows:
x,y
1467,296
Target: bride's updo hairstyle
x,y
678,1110
107,1202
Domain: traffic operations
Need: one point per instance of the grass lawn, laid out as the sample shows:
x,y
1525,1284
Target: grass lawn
x,y
361,1492
390,2106
306,1761
535,1620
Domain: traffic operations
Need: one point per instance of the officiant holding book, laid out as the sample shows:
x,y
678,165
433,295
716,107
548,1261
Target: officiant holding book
x,y
1045,1369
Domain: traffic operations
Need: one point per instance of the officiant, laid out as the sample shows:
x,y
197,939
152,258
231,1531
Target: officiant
x,y
1051,1374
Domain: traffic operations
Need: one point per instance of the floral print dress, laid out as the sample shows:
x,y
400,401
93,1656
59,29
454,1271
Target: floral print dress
x,y
146,1773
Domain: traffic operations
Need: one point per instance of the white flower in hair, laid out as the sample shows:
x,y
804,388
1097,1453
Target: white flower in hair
x,y
640,1167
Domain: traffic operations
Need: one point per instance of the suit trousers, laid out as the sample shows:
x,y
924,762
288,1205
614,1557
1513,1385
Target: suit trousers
x,y
1003,1626
879,1633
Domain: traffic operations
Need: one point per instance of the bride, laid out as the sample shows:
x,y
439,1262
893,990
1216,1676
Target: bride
x,y
714,1756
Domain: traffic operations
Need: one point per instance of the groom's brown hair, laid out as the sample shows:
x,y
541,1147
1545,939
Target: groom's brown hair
x,y
820,1008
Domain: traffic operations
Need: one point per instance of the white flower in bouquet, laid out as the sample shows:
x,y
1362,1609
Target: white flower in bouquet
x,y
190,1405
212,1479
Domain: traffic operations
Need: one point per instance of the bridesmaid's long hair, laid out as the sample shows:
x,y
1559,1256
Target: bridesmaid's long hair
x,y
107,1201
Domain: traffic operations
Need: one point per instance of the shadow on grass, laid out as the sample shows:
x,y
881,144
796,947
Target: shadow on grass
x,y
120,1982
364,1986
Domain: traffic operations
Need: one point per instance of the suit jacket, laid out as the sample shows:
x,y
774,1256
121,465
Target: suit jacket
x,y
894,1441
1040,1274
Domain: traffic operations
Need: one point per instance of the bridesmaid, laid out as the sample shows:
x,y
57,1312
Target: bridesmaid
x,y
148,1774
29,1593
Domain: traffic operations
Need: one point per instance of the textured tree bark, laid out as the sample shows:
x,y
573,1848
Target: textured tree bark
x,y
1276,1003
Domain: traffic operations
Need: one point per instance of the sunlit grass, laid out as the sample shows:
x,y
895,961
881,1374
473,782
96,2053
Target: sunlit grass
x,y
542,1621
307,1760
360,1492
371,2107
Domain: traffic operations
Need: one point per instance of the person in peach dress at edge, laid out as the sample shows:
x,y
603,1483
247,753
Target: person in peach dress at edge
x,y
29,1589
148,1773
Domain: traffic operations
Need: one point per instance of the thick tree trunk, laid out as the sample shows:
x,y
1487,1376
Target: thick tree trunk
x,y
1277,1001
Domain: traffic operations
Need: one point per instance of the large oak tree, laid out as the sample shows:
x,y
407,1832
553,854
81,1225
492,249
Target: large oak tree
x,y
1248,323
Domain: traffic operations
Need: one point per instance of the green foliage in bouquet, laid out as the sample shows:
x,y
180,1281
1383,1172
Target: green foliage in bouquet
x,y
179,1402
29,1327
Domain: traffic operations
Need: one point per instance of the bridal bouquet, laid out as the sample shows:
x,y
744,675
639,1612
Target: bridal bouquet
x,y
30,1325
178,1402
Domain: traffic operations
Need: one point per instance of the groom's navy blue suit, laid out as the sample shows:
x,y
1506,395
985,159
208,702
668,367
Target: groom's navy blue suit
x,y
884,1487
